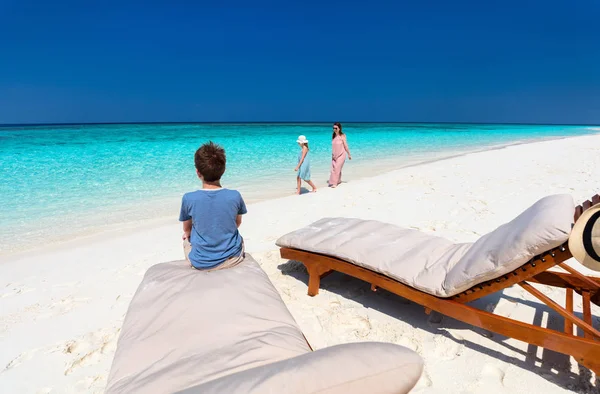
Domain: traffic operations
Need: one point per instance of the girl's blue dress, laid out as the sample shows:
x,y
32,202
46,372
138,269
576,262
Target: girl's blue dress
x,y
304,170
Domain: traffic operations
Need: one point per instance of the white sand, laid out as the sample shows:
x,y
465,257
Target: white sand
x,y
61,308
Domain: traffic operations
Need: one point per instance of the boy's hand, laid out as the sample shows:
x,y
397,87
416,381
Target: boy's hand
x,y
187,229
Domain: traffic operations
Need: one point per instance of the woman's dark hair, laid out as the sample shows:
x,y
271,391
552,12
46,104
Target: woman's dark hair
x,y
339,125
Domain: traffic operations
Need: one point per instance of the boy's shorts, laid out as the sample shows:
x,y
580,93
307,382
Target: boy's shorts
x,y
230,262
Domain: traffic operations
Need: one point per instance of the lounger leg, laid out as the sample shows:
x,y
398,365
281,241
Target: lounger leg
x,y
569,307
314,281
315,273
587,311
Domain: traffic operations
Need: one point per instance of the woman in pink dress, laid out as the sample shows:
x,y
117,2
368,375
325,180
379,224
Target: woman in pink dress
x,y
339,147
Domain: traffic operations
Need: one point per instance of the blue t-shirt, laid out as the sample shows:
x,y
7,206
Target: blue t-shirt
x,y
215,236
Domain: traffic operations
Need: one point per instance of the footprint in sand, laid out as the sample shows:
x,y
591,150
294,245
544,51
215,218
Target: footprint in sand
x,y
362,328
13,289
342,326
21,358
409,342
89,349
63,306
447,349
83,351
492,376
335,304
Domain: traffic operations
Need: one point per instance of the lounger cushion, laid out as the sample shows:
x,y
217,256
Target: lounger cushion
x,y
433,264
543,226
185,327
356,368
412,257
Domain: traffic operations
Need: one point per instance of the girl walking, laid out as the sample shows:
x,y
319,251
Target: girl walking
x,y
303,167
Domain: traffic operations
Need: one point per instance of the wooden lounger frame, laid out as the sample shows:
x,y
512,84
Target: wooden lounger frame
x,y
586,349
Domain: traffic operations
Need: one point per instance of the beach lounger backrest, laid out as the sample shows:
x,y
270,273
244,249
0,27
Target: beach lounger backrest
x,y
543,226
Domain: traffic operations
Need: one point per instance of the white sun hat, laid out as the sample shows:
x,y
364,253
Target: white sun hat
x,y
584,241
302,140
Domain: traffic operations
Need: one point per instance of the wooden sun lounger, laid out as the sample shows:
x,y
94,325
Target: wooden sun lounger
x,y
586,350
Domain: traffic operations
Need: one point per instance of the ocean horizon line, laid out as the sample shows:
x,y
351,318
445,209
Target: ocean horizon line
x,y
290,122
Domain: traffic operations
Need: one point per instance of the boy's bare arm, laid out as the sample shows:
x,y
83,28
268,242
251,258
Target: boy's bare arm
x,y
238,220
187,229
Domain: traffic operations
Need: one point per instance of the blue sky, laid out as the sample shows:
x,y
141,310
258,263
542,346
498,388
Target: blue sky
x,y
432,61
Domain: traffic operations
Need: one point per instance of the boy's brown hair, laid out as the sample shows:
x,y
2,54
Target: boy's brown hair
x,y
210,161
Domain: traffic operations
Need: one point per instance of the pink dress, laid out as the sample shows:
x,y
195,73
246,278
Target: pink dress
x,y
338,158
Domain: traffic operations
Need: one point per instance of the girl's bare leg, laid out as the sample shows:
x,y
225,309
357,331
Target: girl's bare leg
x,y
311,184
299,183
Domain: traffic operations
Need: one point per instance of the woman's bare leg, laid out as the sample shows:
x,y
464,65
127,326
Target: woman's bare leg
x,y
299,183
311,184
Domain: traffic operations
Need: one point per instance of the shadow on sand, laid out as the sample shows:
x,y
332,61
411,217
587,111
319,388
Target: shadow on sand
x,y
304,190
554,367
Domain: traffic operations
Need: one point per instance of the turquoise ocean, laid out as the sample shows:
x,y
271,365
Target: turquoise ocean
x,y
57,182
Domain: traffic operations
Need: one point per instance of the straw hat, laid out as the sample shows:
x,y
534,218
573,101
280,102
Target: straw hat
x,y
584,241
302,140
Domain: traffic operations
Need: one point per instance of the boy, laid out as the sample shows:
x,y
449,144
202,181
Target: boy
x,y
211,216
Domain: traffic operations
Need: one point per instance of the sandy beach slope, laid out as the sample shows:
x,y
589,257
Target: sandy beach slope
x,y
61,307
